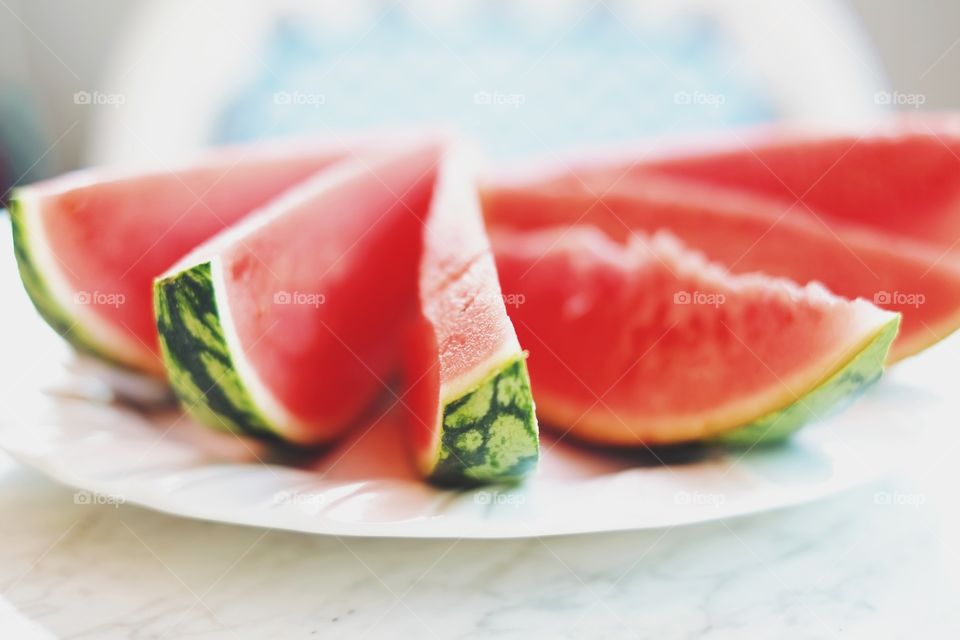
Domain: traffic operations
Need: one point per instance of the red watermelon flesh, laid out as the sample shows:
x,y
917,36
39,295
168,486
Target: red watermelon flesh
x,y
291,322
900,175
112,232
746,233
318,283
462,350
646,343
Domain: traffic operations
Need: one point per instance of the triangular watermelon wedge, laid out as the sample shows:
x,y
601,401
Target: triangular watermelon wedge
x,y
290,323
748,233
90,243
645,343
286,324
473,416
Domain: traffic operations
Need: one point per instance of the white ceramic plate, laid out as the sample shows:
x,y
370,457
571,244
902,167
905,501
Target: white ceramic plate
x,y
57,418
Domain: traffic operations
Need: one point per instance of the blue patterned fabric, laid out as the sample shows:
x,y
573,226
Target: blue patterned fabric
x,y
517,88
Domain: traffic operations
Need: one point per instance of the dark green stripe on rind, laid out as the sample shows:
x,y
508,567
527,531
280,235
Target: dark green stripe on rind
x,y
490,434
49,309
862,371
197,357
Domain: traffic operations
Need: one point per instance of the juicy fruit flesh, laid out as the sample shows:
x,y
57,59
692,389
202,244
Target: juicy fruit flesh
x,y
310,292
111,237
898,175
346,286
619,354
292,318
283,322
749,234
504,433
462,348
459,293
905,178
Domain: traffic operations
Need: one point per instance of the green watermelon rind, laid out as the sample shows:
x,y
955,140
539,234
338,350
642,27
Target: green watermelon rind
x,y
489,434
846,384
50,309
198,358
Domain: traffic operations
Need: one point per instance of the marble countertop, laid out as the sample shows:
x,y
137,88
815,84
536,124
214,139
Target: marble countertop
x,y
878,562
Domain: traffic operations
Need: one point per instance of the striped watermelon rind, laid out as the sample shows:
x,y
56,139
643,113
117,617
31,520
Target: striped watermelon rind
x,y
489,434
67,324
843,386
201,362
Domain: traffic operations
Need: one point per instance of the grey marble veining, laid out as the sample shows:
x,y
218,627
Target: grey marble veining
x,y
874,563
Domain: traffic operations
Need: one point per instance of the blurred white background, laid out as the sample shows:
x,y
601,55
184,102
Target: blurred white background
x,y
50,49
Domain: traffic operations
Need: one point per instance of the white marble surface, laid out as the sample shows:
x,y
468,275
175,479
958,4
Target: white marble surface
x,y
880,562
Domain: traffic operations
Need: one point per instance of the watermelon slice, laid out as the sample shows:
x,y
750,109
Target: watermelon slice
x,y
469,394
646,343
746,233
90,243
289,324
285,325
899,174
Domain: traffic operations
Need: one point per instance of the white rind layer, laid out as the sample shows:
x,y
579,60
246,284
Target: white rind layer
x,y
111,340
277,417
